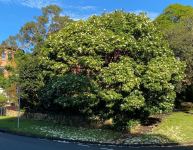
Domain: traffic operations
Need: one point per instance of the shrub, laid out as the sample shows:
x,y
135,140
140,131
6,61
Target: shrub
x,y
3,99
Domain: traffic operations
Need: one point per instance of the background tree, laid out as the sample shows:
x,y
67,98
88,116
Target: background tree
x,y
7,85
173,15
34,33
3,100
10,42
30,39
30,82
177,24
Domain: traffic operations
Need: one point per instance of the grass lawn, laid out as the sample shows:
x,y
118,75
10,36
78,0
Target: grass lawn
x,y
177,127
48,129
174,128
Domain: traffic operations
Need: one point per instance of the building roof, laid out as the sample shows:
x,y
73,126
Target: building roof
x,y
9,48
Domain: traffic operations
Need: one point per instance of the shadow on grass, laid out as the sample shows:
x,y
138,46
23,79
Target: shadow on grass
x,y
8,122
149,139
143,134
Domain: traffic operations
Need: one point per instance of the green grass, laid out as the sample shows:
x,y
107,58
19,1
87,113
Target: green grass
x,y
177,127
47,129
191,111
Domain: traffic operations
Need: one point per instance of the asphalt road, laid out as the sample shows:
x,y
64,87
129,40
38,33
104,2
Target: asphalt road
x,y
13,142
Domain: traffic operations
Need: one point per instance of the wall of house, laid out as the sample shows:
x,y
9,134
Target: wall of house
x,y
6,58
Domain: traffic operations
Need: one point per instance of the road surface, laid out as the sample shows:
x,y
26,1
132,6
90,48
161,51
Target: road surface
x,y
14,142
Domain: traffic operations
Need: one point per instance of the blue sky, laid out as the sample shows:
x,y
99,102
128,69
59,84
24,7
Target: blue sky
x,y
15,13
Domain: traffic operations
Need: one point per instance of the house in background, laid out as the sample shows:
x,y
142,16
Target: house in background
x,y
6,63
6,59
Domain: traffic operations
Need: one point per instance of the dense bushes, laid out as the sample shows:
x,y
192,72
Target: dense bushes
x,y
114,66
176,22
75,93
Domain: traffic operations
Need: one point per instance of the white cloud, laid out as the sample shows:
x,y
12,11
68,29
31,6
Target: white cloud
x,y
31,3
76,16
82,8
38,3
87,7
152,15
42,3
76,12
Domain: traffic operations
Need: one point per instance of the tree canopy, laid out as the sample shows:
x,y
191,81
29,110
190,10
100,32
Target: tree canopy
x,y
172,15
114,70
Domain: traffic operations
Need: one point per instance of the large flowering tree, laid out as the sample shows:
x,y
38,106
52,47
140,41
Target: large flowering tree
x,y
121,64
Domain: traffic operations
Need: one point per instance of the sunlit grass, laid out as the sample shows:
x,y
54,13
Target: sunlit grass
x,y
177,127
